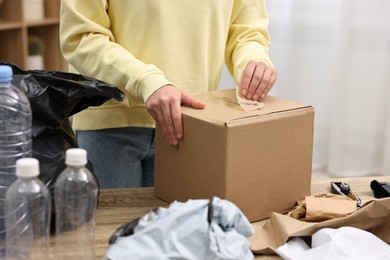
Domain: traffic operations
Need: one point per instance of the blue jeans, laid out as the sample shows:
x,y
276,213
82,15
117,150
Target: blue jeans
x,y
121,157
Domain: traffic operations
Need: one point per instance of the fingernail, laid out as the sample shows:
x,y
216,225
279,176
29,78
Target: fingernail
x,y
249,96
255,97
262,95
243,92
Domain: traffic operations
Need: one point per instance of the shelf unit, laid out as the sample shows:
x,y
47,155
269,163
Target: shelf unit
x,y
15,31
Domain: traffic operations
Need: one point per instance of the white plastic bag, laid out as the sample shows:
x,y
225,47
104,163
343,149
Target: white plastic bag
x,y
197,229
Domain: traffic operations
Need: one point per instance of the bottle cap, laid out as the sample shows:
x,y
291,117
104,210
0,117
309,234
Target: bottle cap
x,y
27,168
5,73
76,157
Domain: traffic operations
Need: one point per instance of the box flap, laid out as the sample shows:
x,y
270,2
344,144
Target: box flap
x,y
222,106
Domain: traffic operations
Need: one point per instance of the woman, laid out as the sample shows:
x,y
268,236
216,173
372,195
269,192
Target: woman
x,y
158,53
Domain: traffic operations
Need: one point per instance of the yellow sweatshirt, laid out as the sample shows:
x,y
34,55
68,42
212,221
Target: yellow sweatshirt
x,y
141,45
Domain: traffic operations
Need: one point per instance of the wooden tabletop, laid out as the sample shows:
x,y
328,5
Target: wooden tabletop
x,y
119,206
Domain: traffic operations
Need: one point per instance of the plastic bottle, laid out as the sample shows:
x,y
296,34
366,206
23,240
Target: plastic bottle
x,y
28,210
15,137
75,199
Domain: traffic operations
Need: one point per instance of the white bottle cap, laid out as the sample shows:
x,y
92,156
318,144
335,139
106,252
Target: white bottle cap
x,y
76,157
27,168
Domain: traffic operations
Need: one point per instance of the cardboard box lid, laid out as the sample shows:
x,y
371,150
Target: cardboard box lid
x,y
222,107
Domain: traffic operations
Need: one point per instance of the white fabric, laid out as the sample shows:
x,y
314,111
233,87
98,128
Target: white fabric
x,y
342,244
335,55
182,231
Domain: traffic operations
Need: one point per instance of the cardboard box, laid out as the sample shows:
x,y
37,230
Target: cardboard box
x,y
261,161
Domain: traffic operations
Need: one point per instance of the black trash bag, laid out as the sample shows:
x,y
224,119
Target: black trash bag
x,y
55,96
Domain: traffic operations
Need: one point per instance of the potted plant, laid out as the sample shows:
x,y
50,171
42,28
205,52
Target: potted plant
x,y
35,53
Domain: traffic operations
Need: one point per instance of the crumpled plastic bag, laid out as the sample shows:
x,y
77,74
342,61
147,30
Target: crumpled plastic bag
x,y
196,229
54,97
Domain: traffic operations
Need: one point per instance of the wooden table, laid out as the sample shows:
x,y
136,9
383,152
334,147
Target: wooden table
x,y
119,206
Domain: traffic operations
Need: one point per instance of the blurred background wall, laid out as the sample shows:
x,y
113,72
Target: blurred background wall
x,y
335,56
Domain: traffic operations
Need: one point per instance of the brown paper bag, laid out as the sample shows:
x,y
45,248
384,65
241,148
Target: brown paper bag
x,y
323,206
373,217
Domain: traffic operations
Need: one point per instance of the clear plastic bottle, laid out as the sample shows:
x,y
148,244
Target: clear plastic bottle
x,y
15,136
75,199
28,210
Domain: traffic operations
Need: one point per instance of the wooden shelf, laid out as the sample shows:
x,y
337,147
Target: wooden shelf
x,y
48,21
10,26
15,30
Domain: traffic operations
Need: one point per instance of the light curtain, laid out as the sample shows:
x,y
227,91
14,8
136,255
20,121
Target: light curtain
x,y
335,56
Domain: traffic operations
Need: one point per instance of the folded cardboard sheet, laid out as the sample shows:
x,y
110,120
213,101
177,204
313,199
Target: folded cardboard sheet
x,y
372,217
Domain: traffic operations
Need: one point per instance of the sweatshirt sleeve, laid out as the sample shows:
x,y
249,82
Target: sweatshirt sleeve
x,y
89,46
248,37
